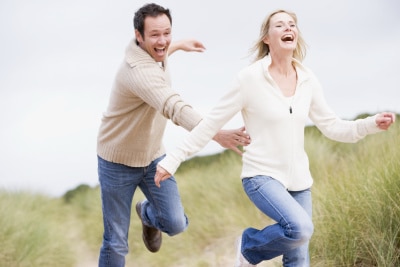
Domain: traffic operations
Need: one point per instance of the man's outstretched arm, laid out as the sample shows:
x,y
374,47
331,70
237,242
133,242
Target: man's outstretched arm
x,y
187,45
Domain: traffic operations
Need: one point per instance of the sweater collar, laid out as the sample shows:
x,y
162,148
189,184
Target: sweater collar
x,y
303,73
134,54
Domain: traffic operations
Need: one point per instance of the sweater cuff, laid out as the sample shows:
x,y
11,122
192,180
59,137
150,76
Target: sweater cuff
x,y
170,164
370,126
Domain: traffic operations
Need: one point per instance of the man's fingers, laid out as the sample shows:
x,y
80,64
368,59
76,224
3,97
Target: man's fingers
x,y
242,136
236,150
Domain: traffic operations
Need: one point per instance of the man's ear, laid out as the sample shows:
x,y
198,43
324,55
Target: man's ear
x,y
138,36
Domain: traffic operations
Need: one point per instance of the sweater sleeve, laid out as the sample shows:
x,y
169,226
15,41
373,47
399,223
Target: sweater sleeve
x,y
151,84
347,131
226,108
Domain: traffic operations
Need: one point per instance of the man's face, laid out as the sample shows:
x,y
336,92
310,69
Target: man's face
x,y
157,37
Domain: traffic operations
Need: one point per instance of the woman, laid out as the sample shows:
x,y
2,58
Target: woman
x,y
276,95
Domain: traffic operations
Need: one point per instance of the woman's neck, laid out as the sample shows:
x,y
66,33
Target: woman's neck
x,y
282,65
284,74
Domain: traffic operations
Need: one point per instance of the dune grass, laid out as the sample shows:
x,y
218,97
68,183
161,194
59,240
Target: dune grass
x,y
32,231
356,193
355,197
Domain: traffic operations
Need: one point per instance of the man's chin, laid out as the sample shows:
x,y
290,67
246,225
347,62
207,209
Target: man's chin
x,y
159,58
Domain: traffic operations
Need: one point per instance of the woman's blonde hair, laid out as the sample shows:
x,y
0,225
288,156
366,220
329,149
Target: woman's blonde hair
x,y
262,49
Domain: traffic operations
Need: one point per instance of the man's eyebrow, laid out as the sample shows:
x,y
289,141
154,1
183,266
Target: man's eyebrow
x,y
158,30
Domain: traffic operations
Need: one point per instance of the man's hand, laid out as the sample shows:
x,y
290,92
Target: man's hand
x,y
232,139
187,45
161,175
384,120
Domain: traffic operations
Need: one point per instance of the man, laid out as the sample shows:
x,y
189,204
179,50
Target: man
x,y
130,138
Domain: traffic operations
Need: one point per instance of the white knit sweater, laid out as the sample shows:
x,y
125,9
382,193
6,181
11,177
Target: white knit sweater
x,y
277,134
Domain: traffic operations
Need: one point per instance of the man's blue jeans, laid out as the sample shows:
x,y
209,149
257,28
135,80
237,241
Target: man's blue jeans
x,y
290,235
163,208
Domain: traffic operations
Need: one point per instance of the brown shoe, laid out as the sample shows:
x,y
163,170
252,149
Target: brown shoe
x,y
151,236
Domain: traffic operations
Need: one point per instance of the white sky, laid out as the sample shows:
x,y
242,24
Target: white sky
x,y
58,60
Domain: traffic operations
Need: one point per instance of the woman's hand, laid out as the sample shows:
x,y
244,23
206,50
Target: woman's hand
x,y
384,120
161,175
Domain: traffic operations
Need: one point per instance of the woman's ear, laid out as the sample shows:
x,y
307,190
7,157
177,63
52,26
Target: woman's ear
x,y
265,40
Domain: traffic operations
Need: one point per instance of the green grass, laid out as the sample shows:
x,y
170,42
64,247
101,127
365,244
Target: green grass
x,y
356,209
356,196
32,231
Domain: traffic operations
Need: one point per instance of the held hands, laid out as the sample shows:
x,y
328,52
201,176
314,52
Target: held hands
x,y
384,120
161,175
233,138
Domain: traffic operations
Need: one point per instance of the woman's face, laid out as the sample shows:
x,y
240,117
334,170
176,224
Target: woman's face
x,y
282,33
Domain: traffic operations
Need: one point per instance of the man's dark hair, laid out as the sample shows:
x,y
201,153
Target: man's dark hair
x,y
152,10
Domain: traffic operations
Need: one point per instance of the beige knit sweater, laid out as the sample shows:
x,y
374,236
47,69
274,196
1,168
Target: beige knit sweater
x,y
141,101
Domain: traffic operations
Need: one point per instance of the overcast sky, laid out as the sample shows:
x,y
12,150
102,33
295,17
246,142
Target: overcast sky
x,y
58,60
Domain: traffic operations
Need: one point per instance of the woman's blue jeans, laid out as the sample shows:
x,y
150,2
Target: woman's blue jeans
x,y
163,208
290,235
